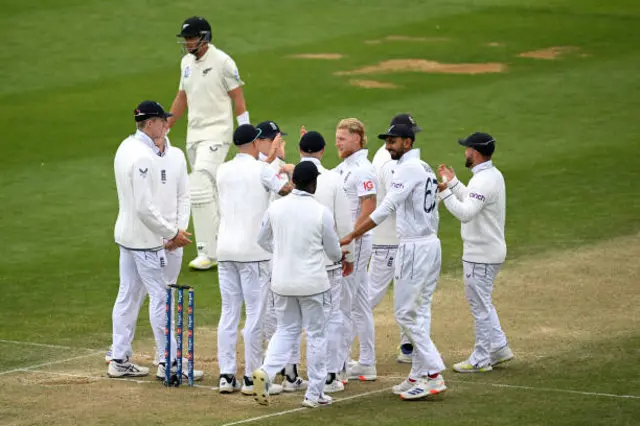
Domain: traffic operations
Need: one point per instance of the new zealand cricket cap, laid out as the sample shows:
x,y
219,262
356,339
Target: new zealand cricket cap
x,y
150,109
245,134
484,143
311,142
304,173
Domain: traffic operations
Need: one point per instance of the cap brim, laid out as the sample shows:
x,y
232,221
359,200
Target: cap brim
x,y
384,136
416,129
464,142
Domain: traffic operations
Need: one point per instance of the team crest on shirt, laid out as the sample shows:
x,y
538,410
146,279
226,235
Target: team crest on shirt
x,y
187,72
143,173
236,74
206,71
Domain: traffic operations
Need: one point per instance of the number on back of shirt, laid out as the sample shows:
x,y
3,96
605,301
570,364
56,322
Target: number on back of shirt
x,y
430,193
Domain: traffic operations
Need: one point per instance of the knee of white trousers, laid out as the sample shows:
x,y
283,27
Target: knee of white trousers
x,y
201,186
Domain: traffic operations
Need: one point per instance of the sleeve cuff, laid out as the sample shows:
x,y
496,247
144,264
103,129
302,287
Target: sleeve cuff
x,y
453,182
445,194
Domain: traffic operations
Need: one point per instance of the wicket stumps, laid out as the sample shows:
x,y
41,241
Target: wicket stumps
x,y
176,379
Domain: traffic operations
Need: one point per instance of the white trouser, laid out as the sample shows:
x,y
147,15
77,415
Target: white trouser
x,y
294,314
417,270
381,271
356,307
335,325
205,157
478,286
140,272
241,282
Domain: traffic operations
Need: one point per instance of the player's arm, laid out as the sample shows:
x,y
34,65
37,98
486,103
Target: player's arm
x,y
184,197
344,224
178,106
448,175
366,190
274,183
233,84
330,238
466,209
265,235
147,211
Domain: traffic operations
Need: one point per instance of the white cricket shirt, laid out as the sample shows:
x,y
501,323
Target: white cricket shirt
x,y
140,224
481,207
299,231
413,196
174,187
385,233
207,82
244,186
330,194
359,179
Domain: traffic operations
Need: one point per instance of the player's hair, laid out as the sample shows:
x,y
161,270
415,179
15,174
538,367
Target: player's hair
x,y
140,124
354,126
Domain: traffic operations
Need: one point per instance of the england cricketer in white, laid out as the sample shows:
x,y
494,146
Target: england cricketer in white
x,y
330,193
360,185
211,89
244,184
299,231
140,233
385,240
413,197
175,209
481,207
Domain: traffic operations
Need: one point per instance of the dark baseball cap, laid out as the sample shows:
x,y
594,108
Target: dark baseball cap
x,y
269,130
304,173
484,143
150,109
245,134
311,142
398,130
194,26
407,120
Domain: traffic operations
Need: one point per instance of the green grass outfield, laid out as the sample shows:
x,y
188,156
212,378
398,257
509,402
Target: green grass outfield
x,y
71,72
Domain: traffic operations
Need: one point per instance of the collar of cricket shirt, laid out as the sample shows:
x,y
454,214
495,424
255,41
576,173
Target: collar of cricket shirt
x,y
301,193
414,153
482,166
144,138
243,156
262,157
363,152
313,160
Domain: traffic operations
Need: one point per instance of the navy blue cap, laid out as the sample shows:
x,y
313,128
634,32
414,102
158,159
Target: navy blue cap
x,y
245,134
407,120
150,109
484,143
304,173
311,142
400,131
270,130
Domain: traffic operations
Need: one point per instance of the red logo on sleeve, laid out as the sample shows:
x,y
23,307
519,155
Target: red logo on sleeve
x,y
368,185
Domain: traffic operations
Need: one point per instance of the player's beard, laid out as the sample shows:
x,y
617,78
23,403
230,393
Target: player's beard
x,y
468,163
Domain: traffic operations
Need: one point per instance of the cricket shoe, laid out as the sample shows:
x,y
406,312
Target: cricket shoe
x,y
503,354
293,386
405,386
342,375
108,356
202,263
321,401
334,386
467,367
361,372
126,368
425,388
228,384
160,372
406,354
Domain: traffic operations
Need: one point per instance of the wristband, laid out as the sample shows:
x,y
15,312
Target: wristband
x,y
243,118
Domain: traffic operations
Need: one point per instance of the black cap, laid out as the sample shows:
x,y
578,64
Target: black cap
x,y
311,142
245,134
398,130
194,27
269,130
150,109
407,120
484,143
304,173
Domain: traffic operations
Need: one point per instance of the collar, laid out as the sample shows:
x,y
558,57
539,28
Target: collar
x,y
243,156
262,157
301,193
312,159
203,57
414,153
482,166
144,138
363,152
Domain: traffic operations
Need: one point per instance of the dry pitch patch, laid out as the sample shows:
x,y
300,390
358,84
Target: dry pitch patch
x,y
547,304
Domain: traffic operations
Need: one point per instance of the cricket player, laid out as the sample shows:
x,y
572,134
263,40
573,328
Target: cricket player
x,y
175,208
413,197
141,232
330,193
385,240
211,88
361,185
299,231
481,207
244,184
